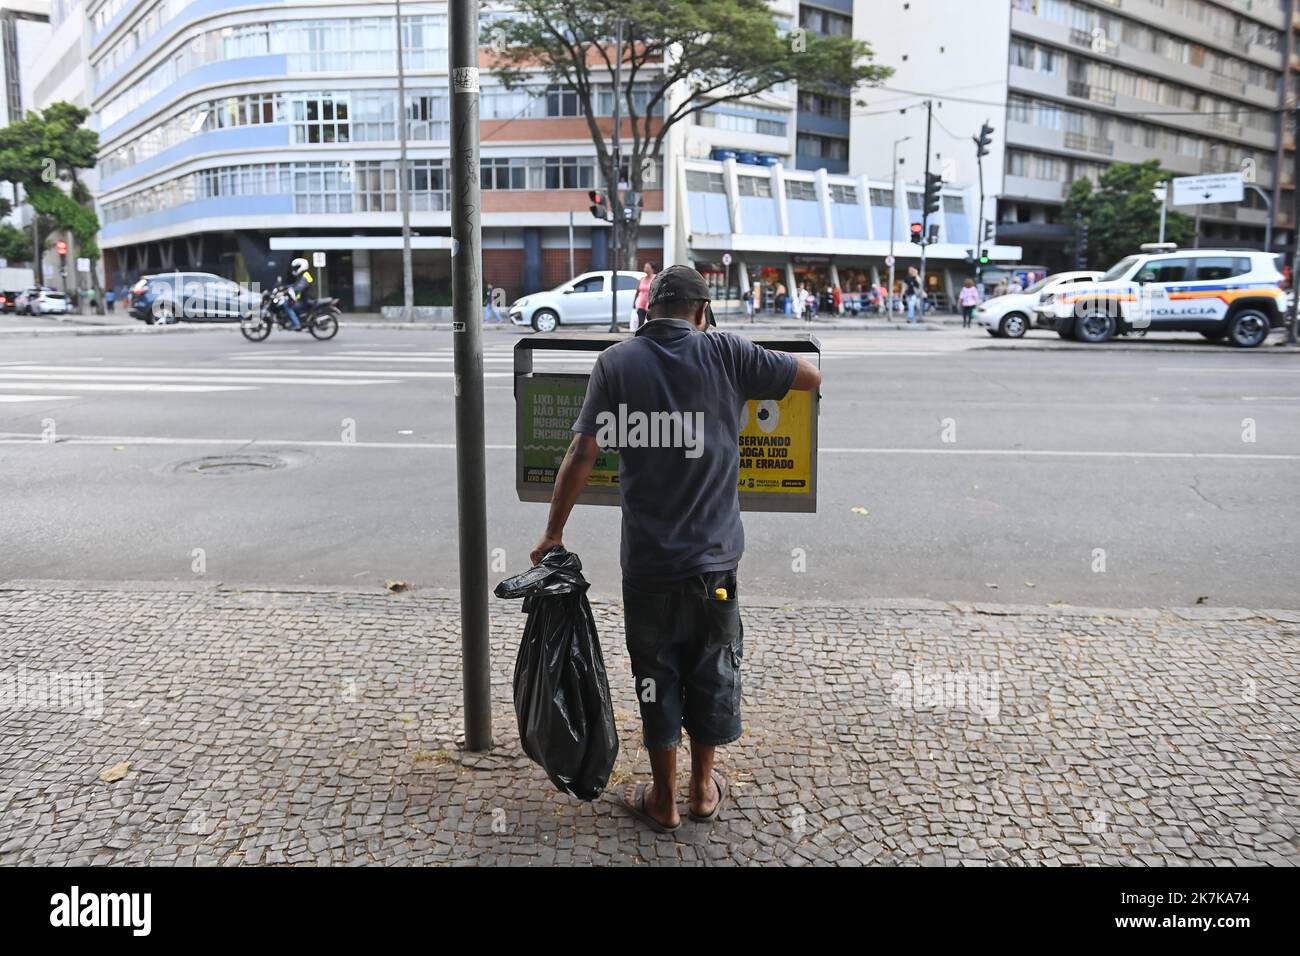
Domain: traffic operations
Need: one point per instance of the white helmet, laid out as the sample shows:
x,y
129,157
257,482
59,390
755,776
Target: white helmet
x,y
297,267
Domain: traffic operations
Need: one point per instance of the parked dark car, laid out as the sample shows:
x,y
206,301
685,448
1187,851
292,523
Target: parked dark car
x,y
169,297
9,301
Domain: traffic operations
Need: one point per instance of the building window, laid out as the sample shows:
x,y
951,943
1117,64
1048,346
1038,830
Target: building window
x,y
321,118
322,187
426,116
822,147
570,172
562,101
757,186
698,181
800,189
843,194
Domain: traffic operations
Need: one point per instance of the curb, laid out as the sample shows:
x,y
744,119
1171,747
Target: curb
x,y
1200,614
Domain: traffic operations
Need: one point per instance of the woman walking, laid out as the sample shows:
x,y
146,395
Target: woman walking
x,y
968,299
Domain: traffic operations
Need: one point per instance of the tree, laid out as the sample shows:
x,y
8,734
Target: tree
x,y
1121,212
42,152
15,244
679,56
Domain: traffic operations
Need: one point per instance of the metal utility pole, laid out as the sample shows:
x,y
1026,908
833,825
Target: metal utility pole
x,y
467,347
893,212
404,178
1268,206
925,212
616,162
1164,207
1295,233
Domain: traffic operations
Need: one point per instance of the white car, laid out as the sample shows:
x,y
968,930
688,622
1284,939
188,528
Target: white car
x,y
47,301
584,300
1010,316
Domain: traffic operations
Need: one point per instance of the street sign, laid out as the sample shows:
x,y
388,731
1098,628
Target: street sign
x,y
318,260
726,258
83,264
889,260
1214,188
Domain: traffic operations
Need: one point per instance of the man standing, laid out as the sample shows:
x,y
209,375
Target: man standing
x,y
912,292
682,535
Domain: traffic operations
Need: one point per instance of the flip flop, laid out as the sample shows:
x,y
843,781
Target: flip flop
x,y
638,810
720,782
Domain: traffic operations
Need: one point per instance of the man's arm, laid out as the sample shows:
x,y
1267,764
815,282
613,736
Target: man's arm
x,y
572,478
807,376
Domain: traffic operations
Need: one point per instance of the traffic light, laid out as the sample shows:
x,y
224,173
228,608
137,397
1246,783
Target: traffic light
x,y
916,233
984,259
61,247
982,140
631,206
599,204
970,257
933,188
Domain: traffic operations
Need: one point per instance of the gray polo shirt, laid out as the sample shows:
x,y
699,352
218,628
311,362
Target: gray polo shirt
x,y
670,400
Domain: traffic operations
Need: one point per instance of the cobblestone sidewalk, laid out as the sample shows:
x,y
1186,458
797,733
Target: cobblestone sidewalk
x,y
271,727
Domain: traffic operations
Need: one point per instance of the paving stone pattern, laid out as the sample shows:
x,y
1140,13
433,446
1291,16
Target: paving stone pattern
x,y
322,728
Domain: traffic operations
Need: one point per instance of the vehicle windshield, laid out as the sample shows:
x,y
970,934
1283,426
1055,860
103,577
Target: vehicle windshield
x,y
1118,269
1037,286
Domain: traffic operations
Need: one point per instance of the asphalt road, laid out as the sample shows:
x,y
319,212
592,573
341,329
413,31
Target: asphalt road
x,y
1062,459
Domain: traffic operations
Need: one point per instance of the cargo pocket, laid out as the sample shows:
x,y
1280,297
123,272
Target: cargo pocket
x,y
722,620
645,615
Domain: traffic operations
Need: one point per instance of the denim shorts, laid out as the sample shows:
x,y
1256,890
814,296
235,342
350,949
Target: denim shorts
x,y
686,647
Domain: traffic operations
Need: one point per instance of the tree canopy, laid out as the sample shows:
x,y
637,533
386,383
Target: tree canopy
x,y
1121,212
679,56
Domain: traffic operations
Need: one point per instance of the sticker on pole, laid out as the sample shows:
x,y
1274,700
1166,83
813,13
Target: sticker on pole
x,y
464,79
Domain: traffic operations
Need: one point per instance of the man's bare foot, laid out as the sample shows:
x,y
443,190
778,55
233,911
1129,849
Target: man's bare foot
x,y
703,796
660,809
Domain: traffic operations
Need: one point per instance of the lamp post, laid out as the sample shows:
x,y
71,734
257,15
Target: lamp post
x,y
893,212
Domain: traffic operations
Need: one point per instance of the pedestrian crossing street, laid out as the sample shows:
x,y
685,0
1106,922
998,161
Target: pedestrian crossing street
x,y
247,371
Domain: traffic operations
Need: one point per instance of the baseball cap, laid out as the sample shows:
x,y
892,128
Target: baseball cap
x,y
681,283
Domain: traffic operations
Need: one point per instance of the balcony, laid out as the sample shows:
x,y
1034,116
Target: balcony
x,y
1095,40
1094,93
1089,144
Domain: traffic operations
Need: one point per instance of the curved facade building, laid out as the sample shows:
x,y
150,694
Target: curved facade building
x,y
237,135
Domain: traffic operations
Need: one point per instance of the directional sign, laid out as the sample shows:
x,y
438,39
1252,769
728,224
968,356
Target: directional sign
x,y
889,260
318,260
1215,188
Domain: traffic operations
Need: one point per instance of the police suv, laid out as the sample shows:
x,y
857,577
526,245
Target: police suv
x,y
1233,294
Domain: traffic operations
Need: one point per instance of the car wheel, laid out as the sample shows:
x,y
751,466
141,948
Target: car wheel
x,y
1095,327
1013,325
162,315
544,320
1248,328
1214,336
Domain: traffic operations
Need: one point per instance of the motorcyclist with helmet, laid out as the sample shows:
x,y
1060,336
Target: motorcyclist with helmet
x,y
298,291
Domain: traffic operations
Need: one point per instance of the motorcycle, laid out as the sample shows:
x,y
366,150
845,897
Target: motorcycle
x,y
321,318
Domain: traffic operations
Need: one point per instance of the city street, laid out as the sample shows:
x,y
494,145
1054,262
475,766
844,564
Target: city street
x,y
1117,476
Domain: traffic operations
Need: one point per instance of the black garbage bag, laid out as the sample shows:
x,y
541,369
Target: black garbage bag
x,y
562,703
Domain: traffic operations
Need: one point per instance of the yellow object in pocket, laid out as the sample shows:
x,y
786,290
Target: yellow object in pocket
x,y
720,594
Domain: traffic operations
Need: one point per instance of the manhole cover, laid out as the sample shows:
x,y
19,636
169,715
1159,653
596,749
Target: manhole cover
x,y
240,464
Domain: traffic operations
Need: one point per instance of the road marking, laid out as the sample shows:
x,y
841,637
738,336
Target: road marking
x,y
1270,398
35,398
1222,369
299,374
76,378
24,438
130,387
